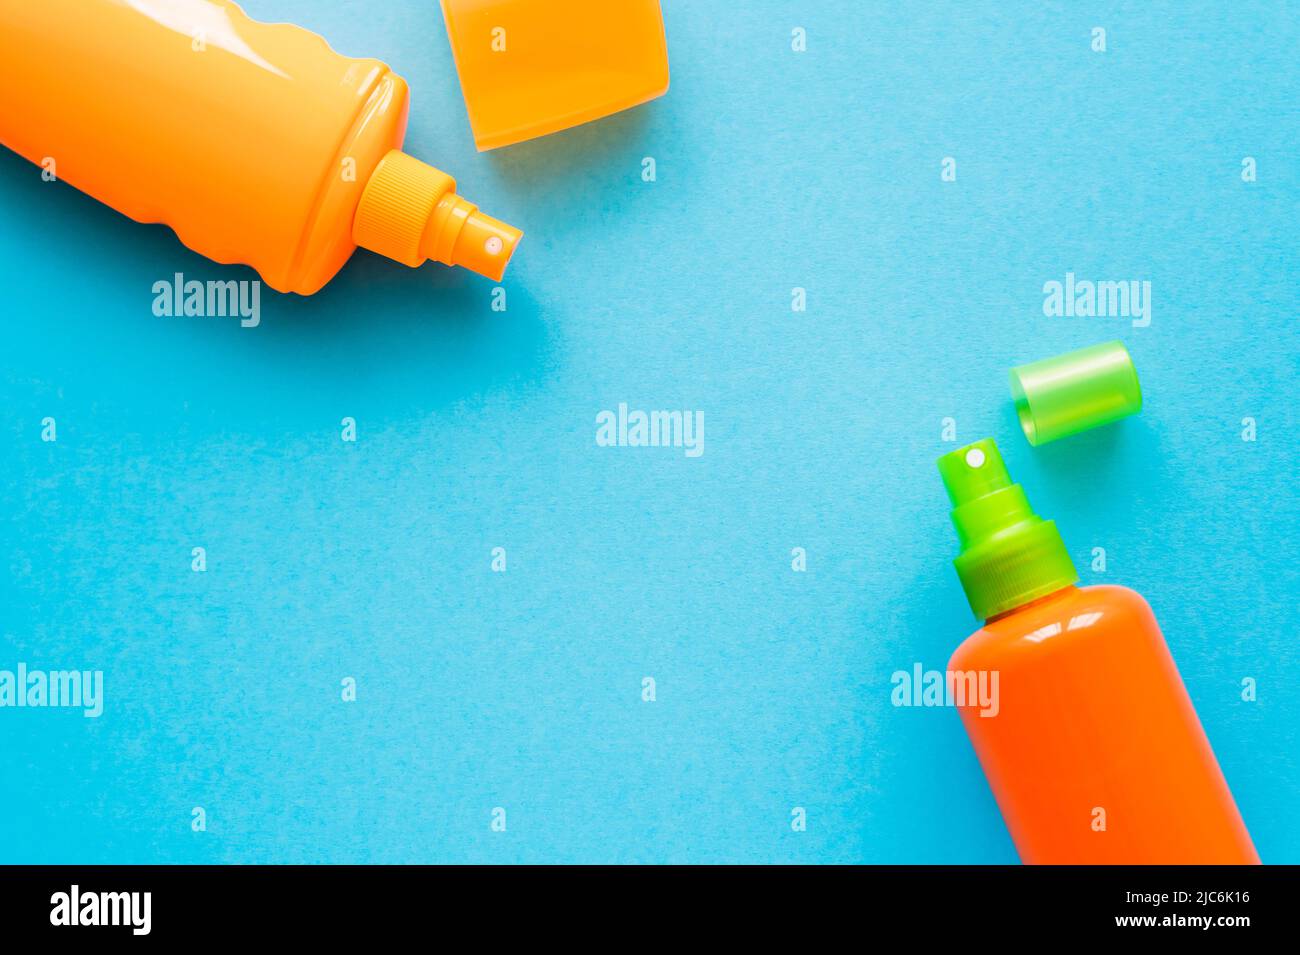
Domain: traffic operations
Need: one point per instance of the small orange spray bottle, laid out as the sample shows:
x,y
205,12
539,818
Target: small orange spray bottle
x,y
1094,753
255,142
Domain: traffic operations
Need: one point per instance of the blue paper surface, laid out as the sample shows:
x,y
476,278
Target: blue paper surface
x,y
479,690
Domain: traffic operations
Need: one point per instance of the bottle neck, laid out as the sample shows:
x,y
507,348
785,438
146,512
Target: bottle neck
x,y
1047,598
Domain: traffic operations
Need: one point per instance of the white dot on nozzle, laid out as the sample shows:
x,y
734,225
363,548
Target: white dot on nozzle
x,y
493,245
975,458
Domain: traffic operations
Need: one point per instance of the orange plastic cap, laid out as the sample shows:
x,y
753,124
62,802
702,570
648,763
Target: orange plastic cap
x,y
532,67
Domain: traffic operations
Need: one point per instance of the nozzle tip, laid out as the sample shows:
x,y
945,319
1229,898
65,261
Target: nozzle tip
x,y
485,245
973,471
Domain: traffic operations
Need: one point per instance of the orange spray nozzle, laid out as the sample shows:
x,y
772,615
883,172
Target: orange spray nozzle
x,y
458,234
410,212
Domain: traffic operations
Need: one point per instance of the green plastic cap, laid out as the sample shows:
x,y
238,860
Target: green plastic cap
x,y
1061,396
1009,555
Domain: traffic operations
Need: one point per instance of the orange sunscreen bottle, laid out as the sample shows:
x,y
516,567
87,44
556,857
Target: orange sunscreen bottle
x,y
1094,752
255,142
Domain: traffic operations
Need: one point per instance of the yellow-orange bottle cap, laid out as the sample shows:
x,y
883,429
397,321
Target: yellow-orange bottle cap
x,y
532,67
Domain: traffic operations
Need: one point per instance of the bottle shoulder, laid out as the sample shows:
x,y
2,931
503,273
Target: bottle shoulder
x,y
378,127
1114,592
1071,614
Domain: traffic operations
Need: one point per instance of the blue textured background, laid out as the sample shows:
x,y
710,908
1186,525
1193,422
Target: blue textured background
x,y
476,430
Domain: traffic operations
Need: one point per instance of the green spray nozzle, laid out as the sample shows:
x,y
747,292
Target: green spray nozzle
x,y
973,471
1009,555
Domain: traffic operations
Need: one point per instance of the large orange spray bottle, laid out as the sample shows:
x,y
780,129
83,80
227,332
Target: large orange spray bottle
x,y
255,142
1094,752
